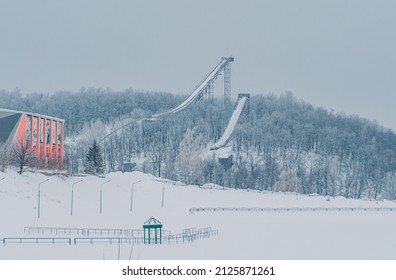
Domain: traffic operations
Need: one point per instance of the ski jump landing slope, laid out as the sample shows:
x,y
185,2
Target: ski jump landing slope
x,y
231,124
200,88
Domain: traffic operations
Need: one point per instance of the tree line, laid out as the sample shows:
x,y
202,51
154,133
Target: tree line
x,y
280,143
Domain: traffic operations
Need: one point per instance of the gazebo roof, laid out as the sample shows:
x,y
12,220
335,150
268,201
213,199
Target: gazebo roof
x,y
152,223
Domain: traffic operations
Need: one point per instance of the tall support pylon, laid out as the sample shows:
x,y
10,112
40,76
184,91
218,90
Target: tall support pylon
x,y
207,93
209,89
227,83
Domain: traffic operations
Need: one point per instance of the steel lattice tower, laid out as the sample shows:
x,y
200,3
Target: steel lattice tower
x,y
209,89
227,83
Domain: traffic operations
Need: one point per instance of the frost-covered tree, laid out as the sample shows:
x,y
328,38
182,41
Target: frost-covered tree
x,y
94,162
190,163
5,155
288,182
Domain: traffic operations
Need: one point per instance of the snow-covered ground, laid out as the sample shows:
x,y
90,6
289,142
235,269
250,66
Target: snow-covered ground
x,y
241,234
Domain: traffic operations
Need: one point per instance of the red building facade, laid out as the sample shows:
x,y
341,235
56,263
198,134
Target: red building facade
x,y
44,134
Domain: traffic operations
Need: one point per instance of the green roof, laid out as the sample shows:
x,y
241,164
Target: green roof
x,y
152,223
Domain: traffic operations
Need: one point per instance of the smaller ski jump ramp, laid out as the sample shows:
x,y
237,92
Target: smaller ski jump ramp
x,y
241,102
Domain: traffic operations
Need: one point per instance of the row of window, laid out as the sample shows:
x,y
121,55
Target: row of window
x,y
44,135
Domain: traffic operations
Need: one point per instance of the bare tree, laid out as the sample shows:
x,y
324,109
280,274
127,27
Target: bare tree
x,y
22,155
157,153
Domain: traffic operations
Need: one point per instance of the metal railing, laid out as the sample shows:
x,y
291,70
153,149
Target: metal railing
x,y
88,231
52,230
37,240
108,240
292,209
135,236
191,234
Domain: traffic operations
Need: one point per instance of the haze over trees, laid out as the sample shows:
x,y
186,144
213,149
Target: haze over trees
x,y
281,144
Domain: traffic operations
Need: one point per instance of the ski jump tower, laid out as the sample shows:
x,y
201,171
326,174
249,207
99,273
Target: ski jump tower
x,y
226,68
227,81
204,90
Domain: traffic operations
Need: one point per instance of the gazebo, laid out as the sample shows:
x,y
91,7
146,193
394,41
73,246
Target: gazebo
x,y
150,227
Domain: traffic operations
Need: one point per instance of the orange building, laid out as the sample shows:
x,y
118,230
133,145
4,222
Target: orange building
x,y
44,134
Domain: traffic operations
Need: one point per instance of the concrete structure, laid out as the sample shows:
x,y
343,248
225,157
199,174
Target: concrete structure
x,y
44,134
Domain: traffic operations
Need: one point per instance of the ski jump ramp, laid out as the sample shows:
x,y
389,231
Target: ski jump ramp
x,y
240,105
199,90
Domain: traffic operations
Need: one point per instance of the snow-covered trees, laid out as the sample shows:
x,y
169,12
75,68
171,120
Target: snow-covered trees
x,y
5,156
330,153
190,163
288,182
94,162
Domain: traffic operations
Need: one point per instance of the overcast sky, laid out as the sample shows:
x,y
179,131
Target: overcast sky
x,y
337,54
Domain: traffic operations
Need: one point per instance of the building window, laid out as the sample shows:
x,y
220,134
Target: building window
x,y
53,131
35,123
48,131
28,128
41,130
59,132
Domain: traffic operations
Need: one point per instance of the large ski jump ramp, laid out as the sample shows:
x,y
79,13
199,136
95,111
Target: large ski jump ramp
x,y
198,91
200,88
231,124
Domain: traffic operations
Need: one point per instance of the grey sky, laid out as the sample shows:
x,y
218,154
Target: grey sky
x,y
336,54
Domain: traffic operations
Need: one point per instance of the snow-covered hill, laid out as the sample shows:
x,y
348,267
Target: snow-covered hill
x,y
319,234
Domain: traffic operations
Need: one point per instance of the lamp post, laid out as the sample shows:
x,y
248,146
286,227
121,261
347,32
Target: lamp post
x,y
72,197
163,194
101,196
39,197
130,209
